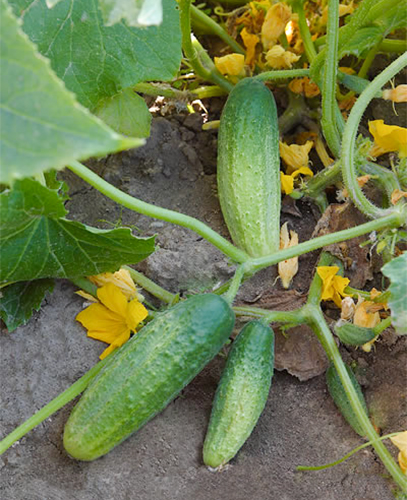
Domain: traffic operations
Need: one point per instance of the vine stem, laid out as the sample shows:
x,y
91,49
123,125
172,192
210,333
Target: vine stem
x,y
158,213
329,104
235,284
53,406
349,138
282,74
310,51
317,322
207,74
150,286
395,219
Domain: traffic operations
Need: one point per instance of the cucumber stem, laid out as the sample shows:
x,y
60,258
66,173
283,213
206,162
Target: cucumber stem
x,y
150,286
158,213
235,283
310,51
53,406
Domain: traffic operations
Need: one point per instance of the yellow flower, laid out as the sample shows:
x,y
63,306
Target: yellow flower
x,y
396,196
121,279
398,94
401,442
274,24
332,286
388,138
304,86
250,41
287,269
113,318
287,181
279,58
231,64
295,156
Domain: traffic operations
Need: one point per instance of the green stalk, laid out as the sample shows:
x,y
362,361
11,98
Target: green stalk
x,y
348,455
328,91
317,322
190,52
214,28
394,219
294,317
310,51
235,284
85,285
368,61
395,46
326,177
158,213
281,74
379,328
293,114
349,138
57,403
162,90
149,286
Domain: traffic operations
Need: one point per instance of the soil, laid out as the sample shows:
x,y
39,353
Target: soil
x,y
300,424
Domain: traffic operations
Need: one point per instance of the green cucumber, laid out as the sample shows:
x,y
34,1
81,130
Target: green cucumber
x,y
147,373
350,334
242,393
248,169
338,394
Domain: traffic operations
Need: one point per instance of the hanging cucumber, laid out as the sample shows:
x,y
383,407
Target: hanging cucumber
x,y
242,393
249,168
147,373
338,394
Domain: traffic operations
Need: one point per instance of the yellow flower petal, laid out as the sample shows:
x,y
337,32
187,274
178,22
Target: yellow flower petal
x,y
250,41
108,336
274,24
388,138
86,296
287,269
365,315
400,441
304,86
113,298
279,58
295,156
396,196
287,183
303,171
402,458
332,286
136,313
100,318
231,64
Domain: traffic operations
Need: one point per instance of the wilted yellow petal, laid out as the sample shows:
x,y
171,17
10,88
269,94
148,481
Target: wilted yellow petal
x,y
348,71
303,171
400,441
250,41
287,183
347,308
231,64
295,156
388,138
279,58
366,314
274,24
86,296
343,11
121,279
399,94
304,86
396,195
287,269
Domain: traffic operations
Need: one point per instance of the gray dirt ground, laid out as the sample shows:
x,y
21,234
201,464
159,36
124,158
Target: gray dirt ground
x,y
300,424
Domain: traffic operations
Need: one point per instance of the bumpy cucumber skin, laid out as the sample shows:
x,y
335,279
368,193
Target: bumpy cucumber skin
x,y
241,395
338,394
146,374
248,170
350,334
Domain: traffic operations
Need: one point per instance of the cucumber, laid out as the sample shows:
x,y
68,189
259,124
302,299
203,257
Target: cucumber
x,y
248,170
147,373
241,395
350,334
338,394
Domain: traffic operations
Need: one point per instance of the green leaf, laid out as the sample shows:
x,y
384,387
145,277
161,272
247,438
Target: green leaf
x,y
42,126
126,113
134,12
396,271
19,300
37,242
97,61
362,41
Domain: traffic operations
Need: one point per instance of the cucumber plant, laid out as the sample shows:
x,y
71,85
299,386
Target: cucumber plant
x,y
60,123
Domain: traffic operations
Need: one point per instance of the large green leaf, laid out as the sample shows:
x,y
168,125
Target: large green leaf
x,y
42,126
37,242
396,271
19,300
97,61
126,113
